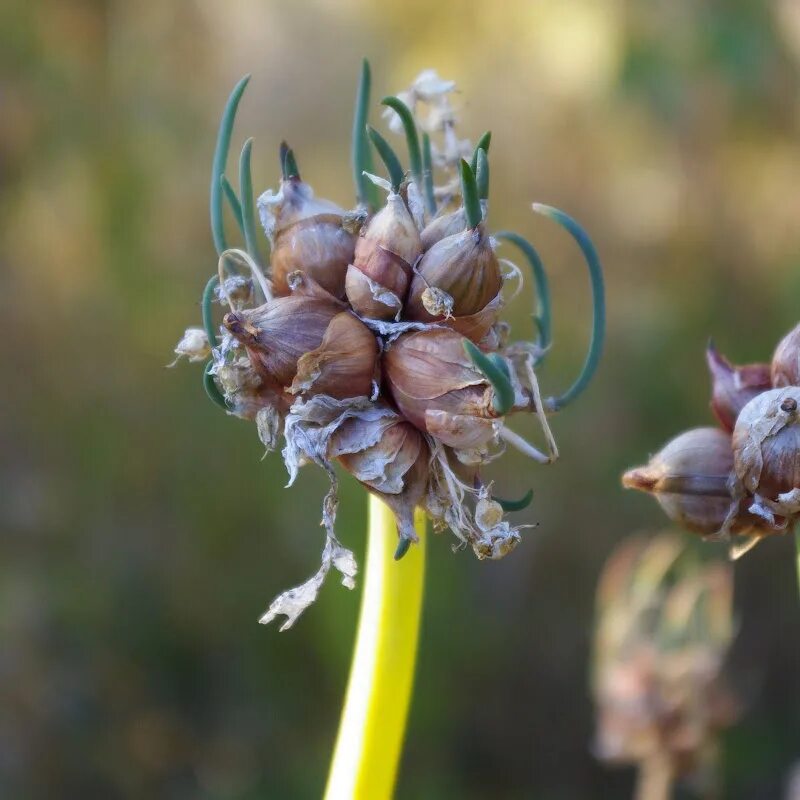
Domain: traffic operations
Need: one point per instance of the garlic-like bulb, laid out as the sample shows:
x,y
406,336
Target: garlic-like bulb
x,y
465,268
690,477
438,389
443,226
306,235
732,387
766,450
386,251
307,345
786,360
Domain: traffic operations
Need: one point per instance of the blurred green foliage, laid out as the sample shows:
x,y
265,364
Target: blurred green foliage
x,y
142,536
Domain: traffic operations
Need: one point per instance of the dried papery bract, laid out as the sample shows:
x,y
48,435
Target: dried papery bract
x,y
390,457
766,452
732,387
306,235
690,478
664,626
786,360
386,251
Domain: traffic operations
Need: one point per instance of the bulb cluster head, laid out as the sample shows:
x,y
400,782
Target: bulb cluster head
x,y
371,338
740,481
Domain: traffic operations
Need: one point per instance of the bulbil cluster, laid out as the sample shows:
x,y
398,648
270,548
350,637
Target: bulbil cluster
x,y
739,481
664,627
372,338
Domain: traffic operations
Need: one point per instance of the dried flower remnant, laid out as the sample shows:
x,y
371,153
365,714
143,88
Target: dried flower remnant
x,y
193,346
372,341
755,454
664,627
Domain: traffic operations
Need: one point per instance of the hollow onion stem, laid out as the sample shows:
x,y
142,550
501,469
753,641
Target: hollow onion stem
x,y
233,201
542,316
248,210
598,300
469,196
389,158
220,161
361,157
427,175
412,137
372,727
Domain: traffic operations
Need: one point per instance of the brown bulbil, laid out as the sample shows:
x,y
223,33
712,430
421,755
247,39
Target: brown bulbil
x,y
465,267
786,360
437,388
386,251
443,226
766,444
308,236
307,345
732,387
689,477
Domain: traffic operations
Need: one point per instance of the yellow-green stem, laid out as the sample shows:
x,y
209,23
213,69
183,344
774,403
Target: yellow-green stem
x,y
797,547
373,723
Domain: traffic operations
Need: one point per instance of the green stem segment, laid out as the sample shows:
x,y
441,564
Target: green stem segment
x,y
248,209
366,192
470,197
289,168
542,315
797,545
483,144
233,201
496,374
427,175
599,304
205,309
220,162
372,728
515,505
412,137
482,175
389,158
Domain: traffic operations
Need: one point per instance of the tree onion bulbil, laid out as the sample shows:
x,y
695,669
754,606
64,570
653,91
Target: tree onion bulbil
x,y
739,482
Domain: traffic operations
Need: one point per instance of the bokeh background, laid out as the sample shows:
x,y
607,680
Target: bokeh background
x,y
141,535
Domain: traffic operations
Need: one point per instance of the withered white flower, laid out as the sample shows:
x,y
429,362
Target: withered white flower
x,y
193,345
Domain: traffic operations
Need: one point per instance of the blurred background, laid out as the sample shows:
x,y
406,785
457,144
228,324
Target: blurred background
x,y
142,536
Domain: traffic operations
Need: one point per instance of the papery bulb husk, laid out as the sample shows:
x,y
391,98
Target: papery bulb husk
x,y
437,388
786,360
766,444
386,251
306,235
732,387
389,457
690,477
344,365
465,267
244,390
